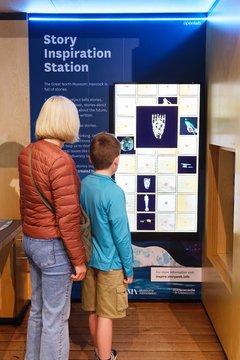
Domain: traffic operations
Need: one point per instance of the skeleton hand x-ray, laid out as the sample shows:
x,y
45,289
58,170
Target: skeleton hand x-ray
x,y
158,125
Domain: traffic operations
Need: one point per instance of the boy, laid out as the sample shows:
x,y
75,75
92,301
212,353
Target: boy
x,y
104,290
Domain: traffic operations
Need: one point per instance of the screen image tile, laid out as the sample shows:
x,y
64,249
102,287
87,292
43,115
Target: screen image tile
x,y
126,89
188,106
158,129
132,221
124,126
166,183
147,89
167,89
126,182
126,106
186,203
146,183
166,222
167,100
145,221
186,222
188,125
187,183
187,145
188,89
146,101
166,202
156,126
127,164
166,164
130,203
187,164
146,202
127,144
146,164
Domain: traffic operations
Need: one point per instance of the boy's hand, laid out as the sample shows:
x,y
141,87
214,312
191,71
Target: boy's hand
x,y
80,272
128,280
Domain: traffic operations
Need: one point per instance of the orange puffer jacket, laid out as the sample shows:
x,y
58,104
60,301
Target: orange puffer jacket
x,y
56,176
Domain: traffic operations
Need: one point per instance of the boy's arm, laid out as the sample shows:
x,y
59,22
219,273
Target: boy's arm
x,y
121,232
122,239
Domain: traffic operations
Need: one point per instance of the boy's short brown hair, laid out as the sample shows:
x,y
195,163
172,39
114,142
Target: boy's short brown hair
x,y
104,149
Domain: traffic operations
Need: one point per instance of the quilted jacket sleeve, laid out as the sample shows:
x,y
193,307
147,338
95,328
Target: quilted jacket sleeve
x,y
65,186
21,203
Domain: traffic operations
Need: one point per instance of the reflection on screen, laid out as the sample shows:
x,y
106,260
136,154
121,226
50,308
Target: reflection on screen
x,y
158,128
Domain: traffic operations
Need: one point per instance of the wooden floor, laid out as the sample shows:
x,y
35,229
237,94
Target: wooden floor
x,y
151,331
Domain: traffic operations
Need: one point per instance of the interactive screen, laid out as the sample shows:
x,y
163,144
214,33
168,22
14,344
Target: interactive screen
x,y
158,127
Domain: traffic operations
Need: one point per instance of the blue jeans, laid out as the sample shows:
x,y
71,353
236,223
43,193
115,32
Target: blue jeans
x,y
50,268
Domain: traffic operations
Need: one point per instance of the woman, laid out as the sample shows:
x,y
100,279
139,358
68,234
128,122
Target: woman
x,y
52,240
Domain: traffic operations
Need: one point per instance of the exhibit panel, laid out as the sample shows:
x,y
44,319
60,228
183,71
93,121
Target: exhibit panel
x,y
158,66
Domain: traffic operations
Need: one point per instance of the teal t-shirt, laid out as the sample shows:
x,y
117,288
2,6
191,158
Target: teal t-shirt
x,y
104,202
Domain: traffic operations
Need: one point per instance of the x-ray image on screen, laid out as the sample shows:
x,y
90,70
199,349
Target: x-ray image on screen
x,y
146,183
158,128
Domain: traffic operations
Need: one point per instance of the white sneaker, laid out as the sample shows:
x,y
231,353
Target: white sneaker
x,y
113,355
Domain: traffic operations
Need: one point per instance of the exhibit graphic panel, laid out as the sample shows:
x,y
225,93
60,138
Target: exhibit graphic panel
x,y
158,127
158,66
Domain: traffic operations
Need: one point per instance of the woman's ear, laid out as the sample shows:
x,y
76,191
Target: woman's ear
x,y
90,160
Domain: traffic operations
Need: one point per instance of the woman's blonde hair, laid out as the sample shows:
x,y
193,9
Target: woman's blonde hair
x,y
58,119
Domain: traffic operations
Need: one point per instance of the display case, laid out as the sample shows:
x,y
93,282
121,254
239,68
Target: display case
x,y
14,274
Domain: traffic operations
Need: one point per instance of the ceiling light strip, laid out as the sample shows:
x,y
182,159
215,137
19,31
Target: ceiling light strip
x,y
113,19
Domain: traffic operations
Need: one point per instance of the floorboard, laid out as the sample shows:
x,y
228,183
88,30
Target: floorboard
x,y
151,331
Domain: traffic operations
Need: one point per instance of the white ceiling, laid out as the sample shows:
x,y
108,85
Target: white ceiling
x,y
106,6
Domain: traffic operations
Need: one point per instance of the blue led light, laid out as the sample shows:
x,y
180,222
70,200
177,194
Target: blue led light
x,y
109,19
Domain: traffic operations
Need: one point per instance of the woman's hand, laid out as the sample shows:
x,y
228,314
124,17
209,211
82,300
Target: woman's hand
x,y
80,272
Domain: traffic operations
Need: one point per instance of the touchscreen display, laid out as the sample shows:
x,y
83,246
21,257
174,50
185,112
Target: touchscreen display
x,y
158,128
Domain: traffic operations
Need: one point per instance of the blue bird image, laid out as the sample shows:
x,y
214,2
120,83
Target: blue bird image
x,y
190,127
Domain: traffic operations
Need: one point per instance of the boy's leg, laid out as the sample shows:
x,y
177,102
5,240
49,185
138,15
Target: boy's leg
x,y
104,338
112,302
88,295
92,323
